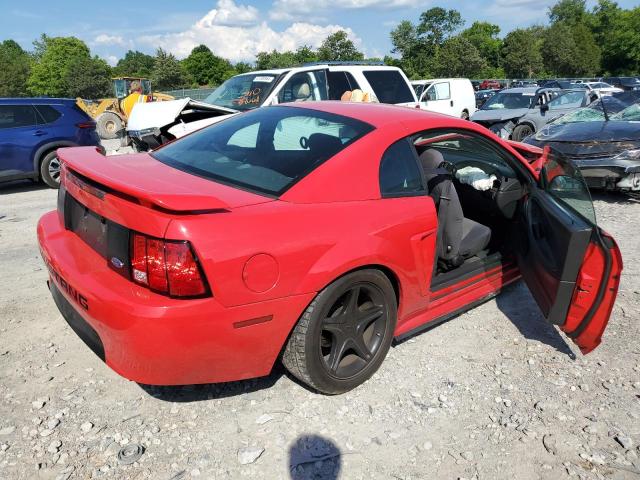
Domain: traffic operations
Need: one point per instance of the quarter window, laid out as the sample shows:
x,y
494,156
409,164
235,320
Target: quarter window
x,y
389,86
399,172
48,113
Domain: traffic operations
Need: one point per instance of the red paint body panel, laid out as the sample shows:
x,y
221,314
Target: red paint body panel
x,y
153,339
264,259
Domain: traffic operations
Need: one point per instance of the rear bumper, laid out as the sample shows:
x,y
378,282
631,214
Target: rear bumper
x,y
156,340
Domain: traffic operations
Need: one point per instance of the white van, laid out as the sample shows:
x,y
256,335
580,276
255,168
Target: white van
x,y
154,123
451,96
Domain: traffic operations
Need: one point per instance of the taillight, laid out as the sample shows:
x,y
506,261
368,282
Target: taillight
x,y
86,125
166,266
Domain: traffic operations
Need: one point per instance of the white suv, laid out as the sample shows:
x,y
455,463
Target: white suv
x,y
152,124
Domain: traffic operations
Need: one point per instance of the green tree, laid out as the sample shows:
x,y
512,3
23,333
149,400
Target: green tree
x,y
570,51
484,36
437,24
275,59
522,53
305,54
134,64
88,77
15,65
242,67
48,75
167,73
570,12
418,44
338,47
617,31
206,68
457,57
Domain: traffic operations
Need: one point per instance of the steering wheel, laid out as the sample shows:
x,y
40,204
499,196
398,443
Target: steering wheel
x,y
304,142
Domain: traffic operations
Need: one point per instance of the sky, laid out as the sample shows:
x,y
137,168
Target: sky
x,y
238,29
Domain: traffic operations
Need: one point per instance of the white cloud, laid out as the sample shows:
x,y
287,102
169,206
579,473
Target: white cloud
x,y
230,14
306,9
104,39
112,60
242,40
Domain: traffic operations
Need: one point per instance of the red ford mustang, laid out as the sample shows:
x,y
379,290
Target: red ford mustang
x,y
316,234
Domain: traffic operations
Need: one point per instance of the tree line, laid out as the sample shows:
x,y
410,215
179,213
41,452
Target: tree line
x,y
577,42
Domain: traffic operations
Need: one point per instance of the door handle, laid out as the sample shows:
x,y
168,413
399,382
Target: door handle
x,y
452,103
39,133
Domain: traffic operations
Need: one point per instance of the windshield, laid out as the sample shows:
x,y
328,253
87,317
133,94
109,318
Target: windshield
x,y
509,101
266,150
243,92
567,100
623,107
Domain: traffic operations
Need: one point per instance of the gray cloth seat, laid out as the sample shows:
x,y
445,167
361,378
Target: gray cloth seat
x,y
459,238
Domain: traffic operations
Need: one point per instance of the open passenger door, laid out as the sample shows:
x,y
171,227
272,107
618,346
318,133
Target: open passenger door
x,y
570,265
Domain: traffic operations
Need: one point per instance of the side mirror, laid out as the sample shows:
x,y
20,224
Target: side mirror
x,y
544,107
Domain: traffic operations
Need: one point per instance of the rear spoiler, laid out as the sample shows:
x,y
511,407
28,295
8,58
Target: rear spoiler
x,y
111,174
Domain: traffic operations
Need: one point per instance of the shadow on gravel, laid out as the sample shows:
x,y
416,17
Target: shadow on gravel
x,y
21,186
314,457
213,391
516,303
616,197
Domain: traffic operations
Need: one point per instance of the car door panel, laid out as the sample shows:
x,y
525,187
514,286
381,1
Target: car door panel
x,y
552,248
571,267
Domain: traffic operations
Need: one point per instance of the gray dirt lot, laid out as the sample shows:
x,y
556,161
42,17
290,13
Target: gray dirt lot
x,y
493,394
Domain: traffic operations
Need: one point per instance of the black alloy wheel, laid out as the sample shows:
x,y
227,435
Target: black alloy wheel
x,y
344,334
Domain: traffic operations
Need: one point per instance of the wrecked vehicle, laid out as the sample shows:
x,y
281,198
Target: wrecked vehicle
x,y
151,125
537,118
501,113
604,145
483,95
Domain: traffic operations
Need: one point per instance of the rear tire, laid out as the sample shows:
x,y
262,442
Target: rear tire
x,y
521,132
344,335
109,125
50,169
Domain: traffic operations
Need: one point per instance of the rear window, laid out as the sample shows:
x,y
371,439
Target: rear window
x,y
266,150
389,86
48,113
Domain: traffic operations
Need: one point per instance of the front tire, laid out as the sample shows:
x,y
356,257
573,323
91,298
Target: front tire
x,y
109,125
50,169
344,335
521,132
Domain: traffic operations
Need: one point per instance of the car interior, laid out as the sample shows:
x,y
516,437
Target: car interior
x,y
476,192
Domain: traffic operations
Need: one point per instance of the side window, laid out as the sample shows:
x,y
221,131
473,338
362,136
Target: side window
x,y
565,182
48,113
389,86
12,116
304,86
246,137
443,91
399,172
339,83
478,160
439,91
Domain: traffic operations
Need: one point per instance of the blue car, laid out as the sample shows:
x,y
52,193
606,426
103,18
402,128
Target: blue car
x,y
32,129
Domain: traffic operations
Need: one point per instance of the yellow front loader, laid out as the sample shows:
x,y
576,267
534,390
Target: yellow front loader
x,y
111,114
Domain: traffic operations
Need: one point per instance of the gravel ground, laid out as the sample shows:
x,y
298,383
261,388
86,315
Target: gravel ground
x,y
493,394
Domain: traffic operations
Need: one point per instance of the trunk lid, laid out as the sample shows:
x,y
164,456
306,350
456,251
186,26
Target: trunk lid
x,y
143,179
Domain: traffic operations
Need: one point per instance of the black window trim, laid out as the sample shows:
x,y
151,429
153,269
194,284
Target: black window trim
x,y
423,191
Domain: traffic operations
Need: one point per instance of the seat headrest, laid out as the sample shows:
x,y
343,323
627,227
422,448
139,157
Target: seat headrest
x,y
430,160
324,145
301,91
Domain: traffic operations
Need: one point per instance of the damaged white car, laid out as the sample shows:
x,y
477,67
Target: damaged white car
x,y
153,124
